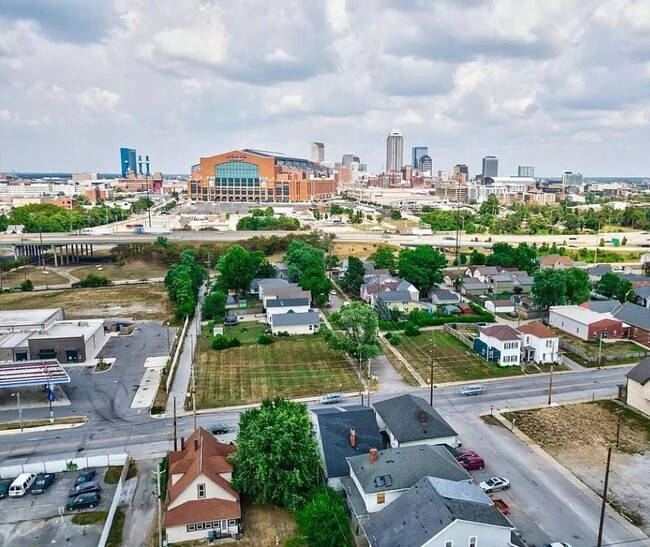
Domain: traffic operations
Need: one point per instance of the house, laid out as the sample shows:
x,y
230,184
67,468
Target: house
x,y
555,261
638,319
295,322
283,293
499,306
585,324
343,432
449,275
596,272
643,296
381,476
474,288
538,343
435,512
410,420
368,290
636,279
522,282
638,387
259,285
482,273
199,496
443,297
526,308
398,300
281,306
450,309
499,344
502,282
602,306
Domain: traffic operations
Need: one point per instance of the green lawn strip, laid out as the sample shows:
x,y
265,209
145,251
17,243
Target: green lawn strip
x,y
117,529
112,475
90,517
603,362
247,332
40,423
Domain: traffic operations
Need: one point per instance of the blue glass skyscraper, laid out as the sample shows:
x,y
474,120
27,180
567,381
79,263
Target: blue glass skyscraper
x,y
128,161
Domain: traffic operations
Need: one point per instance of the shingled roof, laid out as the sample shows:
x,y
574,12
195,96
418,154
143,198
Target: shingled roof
x,y
641,372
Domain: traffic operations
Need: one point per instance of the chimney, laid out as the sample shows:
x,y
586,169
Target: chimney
x,y
423,416
182,443
373,456
353,437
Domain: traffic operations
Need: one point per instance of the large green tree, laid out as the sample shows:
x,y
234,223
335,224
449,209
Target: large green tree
x,y
384,259
353,278
607,285
357,334
490,206
324,521
559,287
277,459
578,285
238,268
306,265
214,306
183,281
625,291
422,267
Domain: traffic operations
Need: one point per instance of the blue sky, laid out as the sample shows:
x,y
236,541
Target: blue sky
x,y
561,84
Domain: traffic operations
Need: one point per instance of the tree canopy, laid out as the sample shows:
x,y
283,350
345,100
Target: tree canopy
x,y
522,257
307,266
238,268
612,286
353,278
490,206
422,267
47,217
214,306
559,287
277,458
358,325
324,521
384,259
183,281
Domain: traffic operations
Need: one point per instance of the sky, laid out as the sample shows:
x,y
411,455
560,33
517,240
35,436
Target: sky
x,y
560,84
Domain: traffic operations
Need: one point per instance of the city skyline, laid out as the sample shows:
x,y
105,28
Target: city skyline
x,y
83,79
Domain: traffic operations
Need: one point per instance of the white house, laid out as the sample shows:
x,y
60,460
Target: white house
x,y
499,344
280,306
295,323
499,306
638,387
200,500
539,343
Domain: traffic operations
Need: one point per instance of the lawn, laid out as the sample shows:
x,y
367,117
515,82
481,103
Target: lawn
x,y
134,269
35,274
247,332
607,349
295,366
453,360
145,302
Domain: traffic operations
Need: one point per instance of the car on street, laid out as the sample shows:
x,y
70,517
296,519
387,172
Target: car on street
x,y
331,398
470,463
475,389
42,483
219,429
85,476
84,488
89,499
494,484
4,487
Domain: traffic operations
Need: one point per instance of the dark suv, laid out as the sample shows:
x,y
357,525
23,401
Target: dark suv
x,y
84,488
85,476
4,487
42,483
89,499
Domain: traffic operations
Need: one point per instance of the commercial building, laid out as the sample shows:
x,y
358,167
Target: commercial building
x,y
425,164
586,324
490,167
526,171
572,179
416,153
317,152
127,161
461,169
394,151
258,176
505,188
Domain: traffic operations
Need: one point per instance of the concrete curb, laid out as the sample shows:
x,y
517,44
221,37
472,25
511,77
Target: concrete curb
x,y
51,427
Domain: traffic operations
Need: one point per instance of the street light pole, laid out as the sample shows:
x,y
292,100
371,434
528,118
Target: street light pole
x,y
600,349
604,505
433,349
20,410
550,385
619,413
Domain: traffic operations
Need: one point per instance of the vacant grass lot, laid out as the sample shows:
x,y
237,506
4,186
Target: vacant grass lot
x,y
360,250
295,366
246,332
116,272
453,360
608,349
16,277
147,302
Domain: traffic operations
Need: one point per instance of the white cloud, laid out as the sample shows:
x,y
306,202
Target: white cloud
x,y
280,55
98,100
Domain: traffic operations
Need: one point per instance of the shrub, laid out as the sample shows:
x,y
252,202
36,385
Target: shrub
x,y
284,334
265,340
27,285
92,280
394,339
410,329
220,342
157,409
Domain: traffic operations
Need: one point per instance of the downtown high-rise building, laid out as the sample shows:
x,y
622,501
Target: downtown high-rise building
x,y
317,152
425,164
394,151
416,153
128,161
490,166
572,179
526,171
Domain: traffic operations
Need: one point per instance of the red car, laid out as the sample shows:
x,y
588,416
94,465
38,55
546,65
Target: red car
x,y
460,454
472,462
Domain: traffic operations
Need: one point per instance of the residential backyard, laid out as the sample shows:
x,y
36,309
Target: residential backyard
x,y
612,352
291,367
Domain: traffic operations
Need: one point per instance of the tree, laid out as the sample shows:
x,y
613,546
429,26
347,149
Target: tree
x,y
384,259
27,285
307,266
324,521
214,306
607,285
578,285
238,268
358,325
422,267
625,291
277,459
477,258
331,262
490,206
183,281
549,288
353,278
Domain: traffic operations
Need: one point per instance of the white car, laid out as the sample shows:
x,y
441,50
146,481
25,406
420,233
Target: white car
x,y
494,484
332,292
331,398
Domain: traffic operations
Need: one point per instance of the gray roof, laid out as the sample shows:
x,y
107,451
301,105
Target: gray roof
x,y
334,425
602,306
402,417
427,509
287,302
634,314
395,296
400,468
295,319
633,277
641,372
444,296
487,270
501,277
475,285
268,282
643,292
404,285
599,270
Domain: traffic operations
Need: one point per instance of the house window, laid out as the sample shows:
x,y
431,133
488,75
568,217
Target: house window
x,y
208,525
191,527
232,522
199,526
381,498
473,541
216,524
449,544
200,490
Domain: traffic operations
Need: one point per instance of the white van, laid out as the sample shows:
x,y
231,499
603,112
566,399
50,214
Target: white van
x,y
21,485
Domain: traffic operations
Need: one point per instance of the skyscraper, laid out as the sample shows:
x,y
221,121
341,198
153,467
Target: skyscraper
x,y
490,166
127,161
526,171
417,153
394,151
572,179
347,159
425,164
317,152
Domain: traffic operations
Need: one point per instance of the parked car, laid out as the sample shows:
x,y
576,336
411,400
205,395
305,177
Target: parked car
x,y
219,429
89,499
495,483
84,488
460,454
512,314
331,398
85,476
475,389
470,463
4,487
556,544
502,506
42,483
21,485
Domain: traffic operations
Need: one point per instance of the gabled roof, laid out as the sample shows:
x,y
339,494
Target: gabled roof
x,y
579,314
599,270
444,296
404,285
429,507
549,260
602,306
295,319
500,332
643,292
502,277
634,314
334,425
402,417
475,285
641,372
538,329
633,277
203,510
487,270
268,282
287,302
400,468
395,296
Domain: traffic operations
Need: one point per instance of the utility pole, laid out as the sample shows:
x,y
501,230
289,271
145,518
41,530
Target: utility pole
x,y
604,505
550,384
433,349
619,413
600,349
175,433
369,381
193,395
159,472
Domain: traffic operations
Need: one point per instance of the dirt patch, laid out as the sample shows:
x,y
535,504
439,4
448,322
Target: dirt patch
x,y
578,435
360,250
263,523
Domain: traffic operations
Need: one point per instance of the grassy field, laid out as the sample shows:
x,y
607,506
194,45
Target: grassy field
x,y
147,302
453,360
35,274
130,270
291,367
360,250
246,332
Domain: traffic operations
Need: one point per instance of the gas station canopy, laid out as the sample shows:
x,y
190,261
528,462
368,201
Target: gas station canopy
x,y
32,373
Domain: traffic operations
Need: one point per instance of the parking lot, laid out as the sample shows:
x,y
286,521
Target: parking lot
x,y
34,520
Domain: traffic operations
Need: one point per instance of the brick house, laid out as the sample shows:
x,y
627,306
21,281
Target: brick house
x,y
586,324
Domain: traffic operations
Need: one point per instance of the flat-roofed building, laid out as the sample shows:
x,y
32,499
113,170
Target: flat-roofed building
x,y
29,320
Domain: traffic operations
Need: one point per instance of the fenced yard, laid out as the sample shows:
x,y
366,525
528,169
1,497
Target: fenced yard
x,y
295,366
612,352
